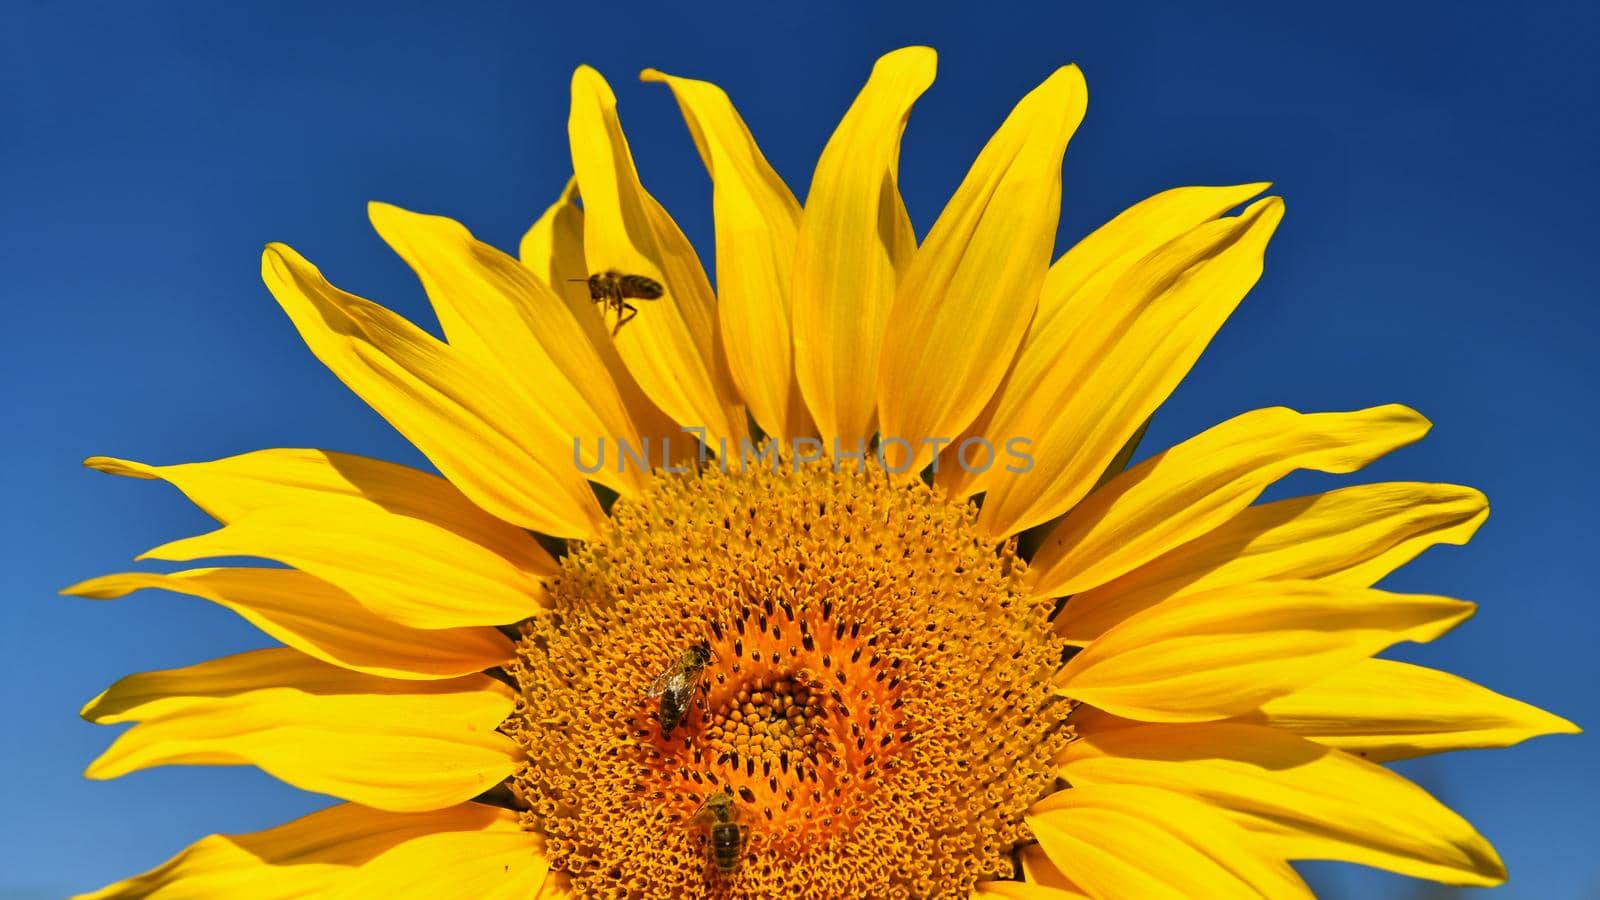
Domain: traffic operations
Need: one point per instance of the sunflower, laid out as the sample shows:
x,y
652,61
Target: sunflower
x,y
836,583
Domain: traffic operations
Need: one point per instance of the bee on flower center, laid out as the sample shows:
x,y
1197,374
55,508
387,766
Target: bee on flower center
x,y
678,685
727,836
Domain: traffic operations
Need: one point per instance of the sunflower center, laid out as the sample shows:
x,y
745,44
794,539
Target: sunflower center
x,y
854,678
776,724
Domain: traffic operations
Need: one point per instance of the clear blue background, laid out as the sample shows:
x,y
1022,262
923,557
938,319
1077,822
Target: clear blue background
x,y
1439,162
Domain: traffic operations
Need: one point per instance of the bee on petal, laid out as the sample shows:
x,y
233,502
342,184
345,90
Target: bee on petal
x,y
613,289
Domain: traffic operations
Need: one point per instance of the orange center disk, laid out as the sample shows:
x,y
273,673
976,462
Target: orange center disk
x,y
875,715
793,715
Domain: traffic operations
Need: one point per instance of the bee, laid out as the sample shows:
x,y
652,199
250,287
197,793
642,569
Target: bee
x,y
613,290
679,683
727,836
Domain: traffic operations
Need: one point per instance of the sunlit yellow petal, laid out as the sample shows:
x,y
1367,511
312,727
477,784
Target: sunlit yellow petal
x,y
1223,652
1130,843
1134,233
1384,710
855,237
1300,799
320,620
757,219
1106,254
1041,880
498,862
1350,537
1038,868
495,311
1185,492
450,407
1124,345
962,307
235,486
394,745
307,857
553,250
1124,456
557,886
1023,890
403,569
671,346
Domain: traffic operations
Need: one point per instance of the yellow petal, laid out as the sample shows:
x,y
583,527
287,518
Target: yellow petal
x,y
403,569
1123,346
1383,710
1123,841
235,486
553,250
396,745
1120,462
1136,232
962,307
151,695
1037,868
1106,254
557,886
1349,537
1224,652
1022,890
855,239
307,857
672,345
503,862
1087,719
1301,800
320,620
453,409
1041,880
757,220
496,312
1185,492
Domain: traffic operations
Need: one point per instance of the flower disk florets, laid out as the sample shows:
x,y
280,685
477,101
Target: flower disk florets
x,y
877,702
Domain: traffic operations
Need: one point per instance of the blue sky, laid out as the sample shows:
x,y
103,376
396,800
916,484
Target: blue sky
x,y
1438,161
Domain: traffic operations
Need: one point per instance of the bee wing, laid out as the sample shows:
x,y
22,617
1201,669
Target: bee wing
x,y
659,685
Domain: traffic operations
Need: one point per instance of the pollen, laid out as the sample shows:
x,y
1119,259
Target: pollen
x,y
876,703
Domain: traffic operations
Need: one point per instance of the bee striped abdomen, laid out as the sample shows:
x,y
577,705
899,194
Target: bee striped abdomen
x,y
675,705
726,842
640,287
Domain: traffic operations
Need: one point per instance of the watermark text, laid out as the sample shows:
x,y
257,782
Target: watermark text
x,y
974,454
